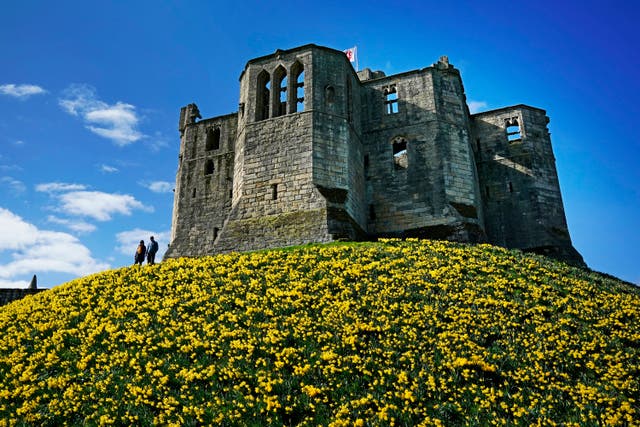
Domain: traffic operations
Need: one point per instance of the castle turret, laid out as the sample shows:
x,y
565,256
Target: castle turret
x,y
518,178
297,152
202,195
420,172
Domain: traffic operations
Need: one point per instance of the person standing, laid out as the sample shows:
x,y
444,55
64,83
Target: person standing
x,y
140,253
151,253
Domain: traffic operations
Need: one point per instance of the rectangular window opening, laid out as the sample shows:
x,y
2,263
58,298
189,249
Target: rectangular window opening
x,y
514,133
391,100
274,191
400,156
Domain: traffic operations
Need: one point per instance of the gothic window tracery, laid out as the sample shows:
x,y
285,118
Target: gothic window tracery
x,y
263,95
297,71
280,81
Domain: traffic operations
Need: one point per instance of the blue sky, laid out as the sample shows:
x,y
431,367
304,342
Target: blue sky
x,y
90,94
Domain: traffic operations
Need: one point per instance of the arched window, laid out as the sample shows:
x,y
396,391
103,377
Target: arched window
x,y
208,167
400,158
297,71
280,82
213,139
263,95
329,94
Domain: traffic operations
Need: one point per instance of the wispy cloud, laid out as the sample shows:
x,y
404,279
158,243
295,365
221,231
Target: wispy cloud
x,y
75,200
158,142
108,169
78,226
476,106
33,250
117,122
98,205
9,168
58,187
159,186
21,91
17,187
128,241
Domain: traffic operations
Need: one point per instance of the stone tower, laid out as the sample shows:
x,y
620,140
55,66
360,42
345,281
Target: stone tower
x,y
318,152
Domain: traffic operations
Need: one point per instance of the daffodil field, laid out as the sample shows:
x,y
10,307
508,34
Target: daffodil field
x,y
397,333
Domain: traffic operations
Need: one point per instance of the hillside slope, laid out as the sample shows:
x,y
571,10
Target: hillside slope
x,y
389,333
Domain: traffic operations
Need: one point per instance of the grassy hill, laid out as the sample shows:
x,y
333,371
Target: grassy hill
x,y
388,333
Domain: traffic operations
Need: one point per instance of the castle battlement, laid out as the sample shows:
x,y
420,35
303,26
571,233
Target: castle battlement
x,y
318,152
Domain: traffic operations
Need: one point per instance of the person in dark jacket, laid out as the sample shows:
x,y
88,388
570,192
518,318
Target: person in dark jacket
x,y
141,251
151,252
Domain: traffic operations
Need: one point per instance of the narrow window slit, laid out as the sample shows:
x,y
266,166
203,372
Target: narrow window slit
x,y
208,167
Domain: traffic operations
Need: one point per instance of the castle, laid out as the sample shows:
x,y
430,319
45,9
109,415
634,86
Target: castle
x,y
318,152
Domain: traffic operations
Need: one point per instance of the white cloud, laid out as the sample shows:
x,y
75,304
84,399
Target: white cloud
x,y
17,187
58,187
476,106
108,169
76,225
36,251
21,91
98,205
76,200
128,241
117,122
160,187
14,284
15,233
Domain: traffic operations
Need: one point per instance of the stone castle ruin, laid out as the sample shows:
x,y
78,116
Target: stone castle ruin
x,y
318,152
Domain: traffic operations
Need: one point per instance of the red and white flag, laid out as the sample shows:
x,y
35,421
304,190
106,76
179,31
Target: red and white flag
x,y
351,54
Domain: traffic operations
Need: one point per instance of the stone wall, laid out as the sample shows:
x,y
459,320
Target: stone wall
x,y
9,295
429,188
203,185
522,198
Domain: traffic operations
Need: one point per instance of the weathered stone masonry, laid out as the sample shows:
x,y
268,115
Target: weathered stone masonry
x,y
319,152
